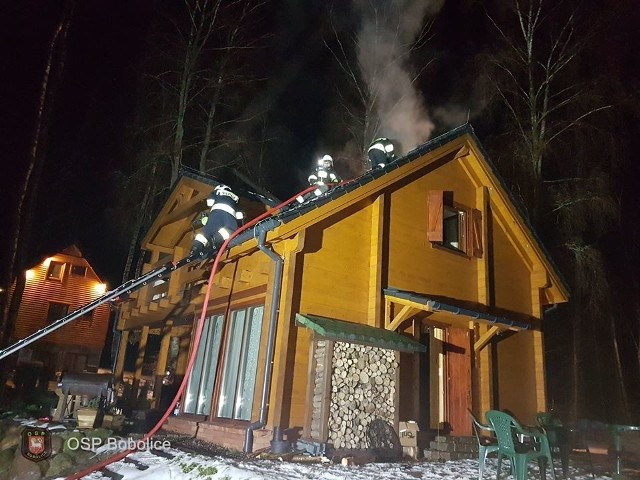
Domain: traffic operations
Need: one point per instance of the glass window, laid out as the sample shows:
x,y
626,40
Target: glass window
x,y
240,364
453,228
203,374
56,311
55,271
78,270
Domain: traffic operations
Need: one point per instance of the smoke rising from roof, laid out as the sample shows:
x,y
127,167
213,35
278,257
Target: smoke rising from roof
x,y
388,30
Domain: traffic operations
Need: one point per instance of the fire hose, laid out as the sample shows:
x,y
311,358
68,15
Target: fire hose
x,y
196,342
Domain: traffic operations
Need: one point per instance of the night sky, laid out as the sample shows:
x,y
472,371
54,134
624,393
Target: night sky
x,y
96,102
99,93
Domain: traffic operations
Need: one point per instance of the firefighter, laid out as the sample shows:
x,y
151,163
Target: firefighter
x,y
380,152
219,224
324,174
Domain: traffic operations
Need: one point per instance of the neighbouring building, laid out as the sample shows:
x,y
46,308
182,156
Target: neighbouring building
x,y
55,287
414,292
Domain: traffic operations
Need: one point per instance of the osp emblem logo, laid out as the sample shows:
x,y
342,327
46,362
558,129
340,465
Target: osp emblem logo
x,y
36,444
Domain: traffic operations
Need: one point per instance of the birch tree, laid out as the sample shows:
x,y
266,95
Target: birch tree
x,y
565,176
534,80
28,193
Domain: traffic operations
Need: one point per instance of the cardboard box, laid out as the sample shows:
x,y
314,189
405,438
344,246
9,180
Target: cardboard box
x,y
408,433
410,452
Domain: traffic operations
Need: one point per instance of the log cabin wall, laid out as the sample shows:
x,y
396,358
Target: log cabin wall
x,y
517,385
416,265
334,272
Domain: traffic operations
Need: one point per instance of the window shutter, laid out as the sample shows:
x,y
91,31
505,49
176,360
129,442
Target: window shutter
x,y
435,212
476,233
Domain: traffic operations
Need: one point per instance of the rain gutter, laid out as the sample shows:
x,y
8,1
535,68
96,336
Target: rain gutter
x,y
439,306
271,340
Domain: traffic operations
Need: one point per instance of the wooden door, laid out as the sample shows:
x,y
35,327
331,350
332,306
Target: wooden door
x,y
458,360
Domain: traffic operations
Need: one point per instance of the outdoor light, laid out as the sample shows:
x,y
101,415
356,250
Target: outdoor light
x,y
100,288
30,274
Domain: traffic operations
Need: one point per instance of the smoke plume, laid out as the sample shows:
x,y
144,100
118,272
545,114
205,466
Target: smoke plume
x,y
388,29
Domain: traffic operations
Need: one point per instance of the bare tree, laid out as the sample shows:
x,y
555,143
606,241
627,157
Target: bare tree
x,y
26,204
200,67
551,114
534,82
197,83
587,210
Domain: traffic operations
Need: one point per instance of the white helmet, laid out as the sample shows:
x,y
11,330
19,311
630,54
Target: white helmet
x,y
324,160
223,190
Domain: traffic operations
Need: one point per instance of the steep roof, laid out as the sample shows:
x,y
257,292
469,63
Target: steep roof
x,y
372,182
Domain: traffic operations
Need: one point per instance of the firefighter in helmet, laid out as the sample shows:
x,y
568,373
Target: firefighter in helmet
x,y
380,152
219,224
323,175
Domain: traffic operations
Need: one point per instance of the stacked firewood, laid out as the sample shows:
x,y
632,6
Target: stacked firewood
x,y
362,390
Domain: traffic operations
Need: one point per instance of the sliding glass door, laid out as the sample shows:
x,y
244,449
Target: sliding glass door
x,y
240,364
203,374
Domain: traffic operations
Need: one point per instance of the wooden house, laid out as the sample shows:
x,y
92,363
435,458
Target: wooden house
x,y
54,287
413,292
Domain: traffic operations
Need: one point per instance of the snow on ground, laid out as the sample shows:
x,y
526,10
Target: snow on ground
x,y
187,466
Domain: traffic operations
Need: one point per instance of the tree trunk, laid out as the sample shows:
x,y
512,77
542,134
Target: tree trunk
x,y
137,229
26,205
207,140
576,350
619,372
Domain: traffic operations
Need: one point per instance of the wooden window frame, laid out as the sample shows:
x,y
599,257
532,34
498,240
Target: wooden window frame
x,y
470,227
223,362
74,274
52,264
51,320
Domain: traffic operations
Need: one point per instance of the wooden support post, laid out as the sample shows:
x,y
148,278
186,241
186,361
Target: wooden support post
x,y
142,347
406,312
376,262
485,338
183,356
291,255
122,351
482,373
161,363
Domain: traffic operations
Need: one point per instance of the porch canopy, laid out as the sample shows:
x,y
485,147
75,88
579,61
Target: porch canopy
x,y
358,333
450,312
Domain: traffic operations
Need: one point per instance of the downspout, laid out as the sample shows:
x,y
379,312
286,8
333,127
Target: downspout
x,y
271,340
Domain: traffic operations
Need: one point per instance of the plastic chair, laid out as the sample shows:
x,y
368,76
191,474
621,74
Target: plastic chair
x,y
486,443
563,439
558,436
507,431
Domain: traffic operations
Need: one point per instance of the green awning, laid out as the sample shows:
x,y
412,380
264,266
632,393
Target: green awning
x,y
358,333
